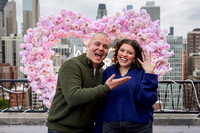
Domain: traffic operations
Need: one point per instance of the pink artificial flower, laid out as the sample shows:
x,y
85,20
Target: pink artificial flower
x,y
51,37
40,49
60,32
44,39
38,91
52,87
34,40
39,57
33,51
127,23
23,60
109,28
38,42
67,20
22,45
47,103
26,72
21,68
124,10
27,39
78,15
37,35
143,12
22,53
38,64
144,36
43,71
118,14
139,35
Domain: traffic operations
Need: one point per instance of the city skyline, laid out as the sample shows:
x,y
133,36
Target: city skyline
x,y
182,15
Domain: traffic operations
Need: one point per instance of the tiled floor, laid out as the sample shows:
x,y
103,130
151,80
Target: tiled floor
x,y
43,129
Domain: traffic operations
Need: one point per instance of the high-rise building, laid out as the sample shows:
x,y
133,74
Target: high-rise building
x,y
193,41
10,21
77,47
2,5
194,75
1,30
11,49
171,31
176,62
185,65
22,27
1,23
36,102
128,7
36,11
19,100
7,72
60,56
101,11
194,64
193,69
31,13
152,10
185,60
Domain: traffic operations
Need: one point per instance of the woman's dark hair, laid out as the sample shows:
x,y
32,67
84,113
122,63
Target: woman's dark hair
x,y
136,47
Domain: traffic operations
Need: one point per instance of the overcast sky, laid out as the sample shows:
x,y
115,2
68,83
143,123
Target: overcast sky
x,y
183,15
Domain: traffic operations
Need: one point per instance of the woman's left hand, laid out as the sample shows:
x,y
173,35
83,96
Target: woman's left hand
x,y
147,64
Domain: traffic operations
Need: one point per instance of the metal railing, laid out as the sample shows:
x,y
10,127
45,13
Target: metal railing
x,y
173,97
182,96
17,96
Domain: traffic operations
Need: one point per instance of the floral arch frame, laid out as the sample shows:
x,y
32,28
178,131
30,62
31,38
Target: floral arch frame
x,y
36,52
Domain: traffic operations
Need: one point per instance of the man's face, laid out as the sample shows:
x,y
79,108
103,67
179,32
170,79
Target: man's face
x,y
98,49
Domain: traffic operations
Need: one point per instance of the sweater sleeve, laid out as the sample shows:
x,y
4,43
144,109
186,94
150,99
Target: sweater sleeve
x,y
70,81
147,93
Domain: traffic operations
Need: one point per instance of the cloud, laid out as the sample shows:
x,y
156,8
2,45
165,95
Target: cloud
x,y
193,13
182,14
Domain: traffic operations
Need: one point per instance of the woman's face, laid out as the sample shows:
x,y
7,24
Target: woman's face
x,y
126,55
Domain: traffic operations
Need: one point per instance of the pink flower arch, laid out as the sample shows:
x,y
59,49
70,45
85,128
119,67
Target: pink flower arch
x,y
38,41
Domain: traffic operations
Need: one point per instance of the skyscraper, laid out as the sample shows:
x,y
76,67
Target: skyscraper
x,y
152,10
31,13
193,41
10,22
194,64
60,56
128,7
101,11
36,11
185,60
176,62
193,68
193,74
2,5
11,49
1,29
171,31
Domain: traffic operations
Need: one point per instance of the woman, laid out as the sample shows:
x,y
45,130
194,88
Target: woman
x,y
129,108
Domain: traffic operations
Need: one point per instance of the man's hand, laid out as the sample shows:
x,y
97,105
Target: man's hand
x,y
114,83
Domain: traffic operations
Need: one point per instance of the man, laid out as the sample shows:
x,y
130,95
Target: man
x,y
79,86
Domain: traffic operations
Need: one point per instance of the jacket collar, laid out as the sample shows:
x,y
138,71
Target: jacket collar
x,y
85,60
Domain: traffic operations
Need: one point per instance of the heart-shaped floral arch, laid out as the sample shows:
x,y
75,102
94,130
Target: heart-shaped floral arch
x,y
38,42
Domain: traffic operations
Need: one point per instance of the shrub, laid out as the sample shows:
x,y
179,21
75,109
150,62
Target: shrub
x,y
2,103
